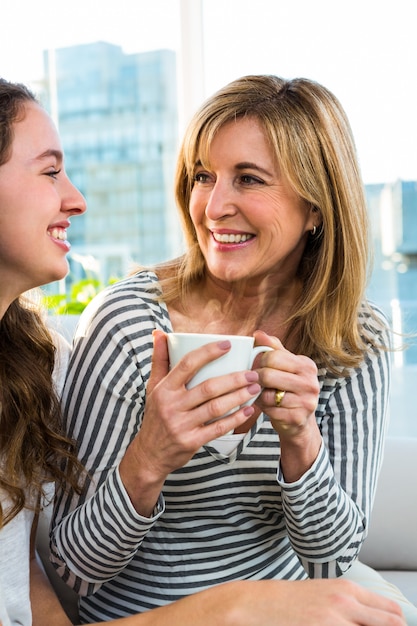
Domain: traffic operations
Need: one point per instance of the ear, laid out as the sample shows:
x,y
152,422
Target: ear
x,y
314,220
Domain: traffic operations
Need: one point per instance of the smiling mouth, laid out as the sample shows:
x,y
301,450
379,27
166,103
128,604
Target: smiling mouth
x,y
58,233
232,238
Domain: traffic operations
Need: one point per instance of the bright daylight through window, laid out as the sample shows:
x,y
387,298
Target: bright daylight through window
x,y
121,79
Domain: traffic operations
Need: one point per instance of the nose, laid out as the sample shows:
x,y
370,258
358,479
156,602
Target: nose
x,y
73,201
221,201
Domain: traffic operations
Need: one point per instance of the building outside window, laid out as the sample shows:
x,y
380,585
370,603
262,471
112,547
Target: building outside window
x,y
117,117
121,108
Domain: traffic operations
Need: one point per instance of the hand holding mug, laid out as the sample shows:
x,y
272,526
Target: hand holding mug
x,y
241,356
179,418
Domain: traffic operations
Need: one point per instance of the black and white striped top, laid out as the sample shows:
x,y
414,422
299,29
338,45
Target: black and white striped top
x,y
219,517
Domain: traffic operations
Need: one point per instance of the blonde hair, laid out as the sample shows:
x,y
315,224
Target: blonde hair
x,y
312,141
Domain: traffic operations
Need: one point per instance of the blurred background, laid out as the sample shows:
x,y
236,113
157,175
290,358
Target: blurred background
x,y
122,78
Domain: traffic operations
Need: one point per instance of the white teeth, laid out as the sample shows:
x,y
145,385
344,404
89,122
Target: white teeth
x,y
58,233
231,238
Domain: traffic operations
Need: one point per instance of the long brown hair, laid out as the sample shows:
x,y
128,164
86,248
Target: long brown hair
x,y
33,446
311,139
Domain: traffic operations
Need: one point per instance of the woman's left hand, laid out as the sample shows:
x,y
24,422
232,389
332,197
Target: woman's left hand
x,y
293,414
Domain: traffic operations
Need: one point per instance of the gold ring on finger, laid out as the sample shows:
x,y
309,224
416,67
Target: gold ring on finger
x,y
278,397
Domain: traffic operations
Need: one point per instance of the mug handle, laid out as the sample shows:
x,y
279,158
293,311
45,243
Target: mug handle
x,y
255,351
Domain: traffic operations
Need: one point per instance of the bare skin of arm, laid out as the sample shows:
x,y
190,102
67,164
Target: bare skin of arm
x,y
275,603
43,598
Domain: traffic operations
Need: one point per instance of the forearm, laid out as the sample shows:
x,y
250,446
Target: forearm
x,y
324,525
103,406
232,604
336,495
298,453
274,603
140,483
86,541
43,599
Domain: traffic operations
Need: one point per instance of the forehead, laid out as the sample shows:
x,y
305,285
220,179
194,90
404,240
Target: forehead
x,y
34,134
242,127
238,138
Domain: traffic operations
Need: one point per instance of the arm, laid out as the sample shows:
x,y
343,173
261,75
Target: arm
x,y
127,447
103,403
353,424
42,596
327,503
4,616
275,603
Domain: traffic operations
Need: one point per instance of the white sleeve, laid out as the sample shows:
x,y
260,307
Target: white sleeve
x,y
4,618
63,353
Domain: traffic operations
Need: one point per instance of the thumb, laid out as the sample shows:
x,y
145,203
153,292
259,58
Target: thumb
x,y
160,360
263,339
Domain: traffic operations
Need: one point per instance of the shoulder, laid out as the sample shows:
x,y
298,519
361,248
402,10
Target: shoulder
x,y
375,332
135,299
374,325
141,285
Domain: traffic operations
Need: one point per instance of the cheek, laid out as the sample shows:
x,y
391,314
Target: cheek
x,y
195,210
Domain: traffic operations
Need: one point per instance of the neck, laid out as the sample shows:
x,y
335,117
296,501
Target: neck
x,y
8,293
4,305
242,309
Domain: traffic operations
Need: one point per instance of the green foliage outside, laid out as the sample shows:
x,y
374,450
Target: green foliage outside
x,y
75,301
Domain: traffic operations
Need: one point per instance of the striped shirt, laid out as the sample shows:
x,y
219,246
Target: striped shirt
x,y
220,517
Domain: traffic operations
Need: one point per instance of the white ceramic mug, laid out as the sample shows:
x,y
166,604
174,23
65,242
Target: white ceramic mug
x,y
240,357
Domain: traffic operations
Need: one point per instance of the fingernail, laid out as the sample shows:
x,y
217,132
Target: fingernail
x,y
248,410
253,389
252,377
224,345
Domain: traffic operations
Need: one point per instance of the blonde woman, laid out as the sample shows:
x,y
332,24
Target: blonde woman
x,y
37,201
273,210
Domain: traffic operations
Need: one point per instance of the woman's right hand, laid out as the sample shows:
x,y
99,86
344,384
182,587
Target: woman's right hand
x,y
178,421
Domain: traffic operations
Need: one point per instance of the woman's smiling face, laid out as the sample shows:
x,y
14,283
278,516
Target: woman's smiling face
x,y
36,201
250,223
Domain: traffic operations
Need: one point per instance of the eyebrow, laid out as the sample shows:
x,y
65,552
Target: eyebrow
x,y
244,166
57,154
252,166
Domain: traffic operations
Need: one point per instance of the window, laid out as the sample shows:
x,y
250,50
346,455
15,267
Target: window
x,y
123,81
